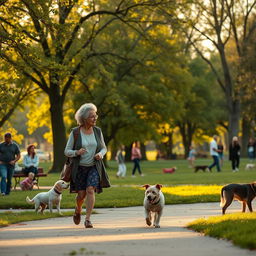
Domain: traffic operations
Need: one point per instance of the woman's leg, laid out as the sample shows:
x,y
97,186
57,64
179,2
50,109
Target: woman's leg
x,y
138,166
237,162
233,164
124,170
119,170
134,167
80,200
90,201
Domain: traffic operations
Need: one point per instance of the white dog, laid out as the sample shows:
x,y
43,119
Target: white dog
x,y
249,166
153,203
50,198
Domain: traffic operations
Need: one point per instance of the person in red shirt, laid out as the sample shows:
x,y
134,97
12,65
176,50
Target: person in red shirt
x,y
136,156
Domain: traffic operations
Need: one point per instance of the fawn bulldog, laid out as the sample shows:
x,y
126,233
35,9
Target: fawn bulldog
x,y
153,204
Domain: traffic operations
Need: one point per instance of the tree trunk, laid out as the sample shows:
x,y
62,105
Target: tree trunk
x,y
169,146
128,150
143,151
246,128
234,116
186,130
58,132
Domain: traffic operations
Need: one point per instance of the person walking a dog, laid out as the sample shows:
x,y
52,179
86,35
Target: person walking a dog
x,y
136,156
214,153
9,155
87,148
234,154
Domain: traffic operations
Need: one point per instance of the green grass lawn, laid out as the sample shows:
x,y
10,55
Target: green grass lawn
x,y
183,186
236,227
10,217
126,192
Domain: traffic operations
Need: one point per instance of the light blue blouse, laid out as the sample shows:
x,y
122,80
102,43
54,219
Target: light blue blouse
x,y
28,161
90,144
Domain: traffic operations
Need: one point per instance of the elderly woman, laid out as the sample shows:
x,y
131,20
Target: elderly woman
x,y
86,147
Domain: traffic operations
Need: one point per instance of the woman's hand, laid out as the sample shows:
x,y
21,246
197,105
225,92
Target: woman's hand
x,y
98,156
81,151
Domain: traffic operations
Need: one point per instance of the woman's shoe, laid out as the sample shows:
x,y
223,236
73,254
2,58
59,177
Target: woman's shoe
x,y
88,224
77,218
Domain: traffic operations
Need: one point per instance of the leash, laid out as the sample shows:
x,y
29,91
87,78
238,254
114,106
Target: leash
x,y
57,192
253,188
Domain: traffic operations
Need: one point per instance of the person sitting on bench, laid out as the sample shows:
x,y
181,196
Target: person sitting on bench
x,y
30,161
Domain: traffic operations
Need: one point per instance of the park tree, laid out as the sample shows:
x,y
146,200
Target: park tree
x,y
220,24
137,88
14,90
126,84
248,92
202,107
49,41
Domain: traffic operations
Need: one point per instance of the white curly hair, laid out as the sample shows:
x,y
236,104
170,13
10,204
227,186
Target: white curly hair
x,y
83,112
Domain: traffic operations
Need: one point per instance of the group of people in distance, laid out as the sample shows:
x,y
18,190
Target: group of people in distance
x,y
9,156
217,153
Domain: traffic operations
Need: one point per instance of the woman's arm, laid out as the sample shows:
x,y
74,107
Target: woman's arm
x,y
103,150
69,151
26,161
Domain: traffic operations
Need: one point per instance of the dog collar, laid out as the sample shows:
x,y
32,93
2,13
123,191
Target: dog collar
x,y
156,202
57,192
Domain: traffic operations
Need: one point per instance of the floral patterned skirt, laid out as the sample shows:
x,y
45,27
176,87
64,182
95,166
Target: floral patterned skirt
x,y
86,177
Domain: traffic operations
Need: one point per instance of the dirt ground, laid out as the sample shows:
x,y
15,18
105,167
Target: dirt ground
x,y
119,232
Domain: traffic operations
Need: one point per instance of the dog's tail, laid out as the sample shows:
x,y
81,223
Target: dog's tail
x,y
29,200
222,198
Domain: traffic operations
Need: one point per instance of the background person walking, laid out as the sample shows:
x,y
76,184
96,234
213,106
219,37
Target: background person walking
x,y
191,156
121,164
234,154
251,149
221,151
9,155
214,154
136,156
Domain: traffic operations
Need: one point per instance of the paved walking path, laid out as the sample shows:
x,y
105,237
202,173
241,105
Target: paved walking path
x,y
119,232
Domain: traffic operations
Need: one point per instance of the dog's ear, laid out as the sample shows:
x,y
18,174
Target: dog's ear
x,y
146,186
158,186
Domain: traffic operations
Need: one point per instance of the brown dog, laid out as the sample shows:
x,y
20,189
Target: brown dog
x,y
242,192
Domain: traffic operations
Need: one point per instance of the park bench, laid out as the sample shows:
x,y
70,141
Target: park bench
x,y
18,175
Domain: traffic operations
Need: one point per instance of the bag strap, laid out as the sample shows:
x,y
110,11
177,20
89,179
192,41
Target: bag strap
x,y
76,132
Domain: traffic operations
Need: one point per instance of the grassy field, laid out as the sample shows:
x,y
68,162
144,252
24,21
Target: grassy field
x,y
183,186
237,227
